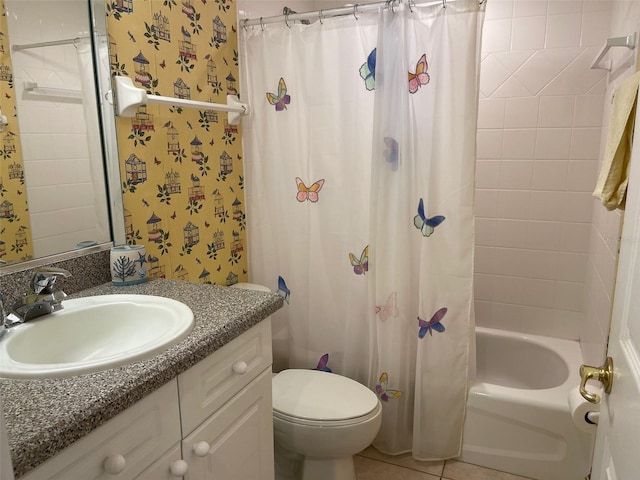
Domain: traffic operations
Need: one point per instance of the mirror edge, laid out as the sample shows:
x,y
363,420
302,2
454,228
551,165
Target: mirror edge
x,y
39,262
111,157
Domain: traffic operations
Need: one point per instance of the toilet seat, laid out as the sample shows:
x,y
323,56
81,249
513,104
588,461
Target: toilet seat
x,y
311,397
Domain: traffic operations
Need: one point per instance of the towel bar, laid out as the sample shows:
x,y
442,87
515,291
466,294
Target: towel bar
x,y
628,41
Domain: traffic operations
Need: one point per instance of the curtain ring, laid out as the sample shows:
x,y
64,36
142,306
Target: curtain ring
x,y
261,24
286,20
354,11
320,17
410,8
393,6
444,3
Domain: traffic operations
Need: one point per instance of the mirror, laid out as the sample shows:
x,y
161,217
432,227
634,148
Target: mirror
x,y
54,66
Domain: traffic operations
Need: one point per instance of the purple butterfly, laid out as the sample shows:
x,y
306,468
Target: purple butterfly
x,y
360,265
281,100
391,152
433,324
322,364
384,393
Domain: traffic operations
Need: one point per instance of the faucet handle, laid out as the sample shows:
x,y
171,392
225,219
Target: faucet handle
x,y
44,278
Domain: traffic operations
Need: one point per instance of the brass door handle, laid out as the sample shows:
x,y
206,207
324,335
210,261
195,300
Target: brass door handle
x,y
603,374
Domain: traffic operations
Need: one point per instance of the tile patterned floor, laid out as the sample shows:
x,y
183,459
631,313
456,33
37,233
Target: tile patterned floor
x,y
373,465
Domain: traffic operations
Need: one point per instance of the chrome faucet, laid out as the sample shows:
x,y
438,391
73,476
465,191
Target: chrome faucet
x,y
40,300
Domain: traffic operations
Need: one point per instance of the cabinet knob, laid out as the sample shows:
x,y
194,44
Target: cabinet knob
x,y
178,468
240,367
201,449
114,464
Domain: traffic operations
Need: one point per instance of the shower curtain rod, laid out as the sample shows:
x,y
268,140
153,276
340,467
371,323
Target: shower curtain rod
x,y
67,41
338,12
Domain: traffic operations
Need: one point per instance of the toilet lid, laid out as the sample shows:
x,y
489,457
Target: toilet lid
x,y
315,395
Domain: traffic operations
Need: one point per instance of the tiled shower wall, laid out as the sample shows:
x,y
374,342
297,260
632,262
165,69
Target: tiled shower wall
x,y
540,119
605,228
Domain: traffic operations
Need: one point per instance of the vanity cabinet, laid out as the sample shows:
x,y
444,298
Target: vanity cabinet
x,y
213,423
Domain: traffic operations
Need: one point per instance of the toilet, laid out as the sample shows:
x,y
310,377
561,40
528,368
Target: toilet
x,y
320,420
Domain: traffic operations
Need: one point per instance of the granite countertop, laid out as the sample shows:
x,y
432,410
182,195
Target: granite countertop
x,y
45,416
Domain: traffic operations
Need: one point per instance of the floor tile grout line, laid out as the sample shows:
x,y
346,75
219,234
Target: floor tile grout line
x,y
404,466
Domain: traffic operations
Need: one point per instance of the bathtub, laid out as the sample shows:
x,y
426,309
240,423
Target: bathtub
x,y
518,418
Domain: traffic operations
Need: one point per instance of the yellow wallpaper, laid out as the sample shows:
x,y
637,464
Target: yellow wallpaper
x,y
181,168
15,226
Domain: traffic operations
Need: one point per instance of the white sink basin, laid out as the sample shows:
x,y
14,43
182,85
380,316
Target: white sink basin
x,y
92,334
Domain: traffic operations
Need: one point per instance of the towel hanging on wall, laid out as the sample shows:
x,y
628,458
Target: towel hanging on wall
x,y
611,187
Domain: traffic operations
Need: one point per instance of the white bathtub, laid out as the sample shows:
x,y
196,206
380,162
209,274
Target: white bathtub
x,y
518,418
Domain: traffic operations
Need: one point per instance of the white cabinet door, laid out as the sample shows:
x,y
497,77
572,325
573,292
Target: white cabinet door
x,y
209,384
161,468
135,437
236,442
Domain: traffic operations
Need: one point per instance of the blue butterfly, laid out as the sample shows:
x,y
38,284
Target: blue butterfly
x,y
426,225
433,324
391,153
368,71
283,290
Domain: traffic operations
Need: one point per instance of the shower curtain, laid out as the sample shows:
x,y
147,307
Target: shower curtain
x,y
359,164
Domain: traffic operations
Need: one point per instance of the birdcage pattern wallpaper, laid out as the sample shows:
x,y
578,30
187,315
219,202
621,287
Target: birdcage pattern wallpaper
x,y
182,176
15,224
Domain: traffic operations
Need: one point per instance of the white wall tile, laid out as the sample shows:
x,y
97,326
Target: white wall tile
x,y
486,204
521,112
516,175
511,233
491,113
547,206
508,289
585,143
485,230
575,237
595,28
518,143
578,207
496,35
550,175
487,174
543,235
483,287
489,143
582,175
511,88
544,66
563,30
556,111
540,292
499,9
572,267
528,8
569,296
558,7
493,74
553,143
513,204
588,111
528,33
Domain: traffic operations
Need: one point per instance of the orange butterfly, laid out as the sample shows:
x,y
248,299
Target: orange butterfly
x,y
308,193
421,77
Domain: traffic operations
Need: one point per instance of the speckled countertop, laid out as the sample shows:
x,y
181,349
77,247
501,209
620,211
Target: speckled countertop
x,y
45,416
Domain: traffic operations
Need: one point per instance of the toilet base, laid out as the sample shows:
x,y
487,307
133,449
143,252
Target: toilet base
x,y
328,468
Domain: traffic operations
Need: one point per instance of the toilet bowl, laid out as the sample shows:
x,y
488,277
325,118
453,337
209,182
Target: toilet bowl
x,y
320,420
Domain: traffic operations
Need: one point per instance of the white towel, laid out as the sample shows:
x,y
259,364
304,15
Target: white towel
x,y
611,187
